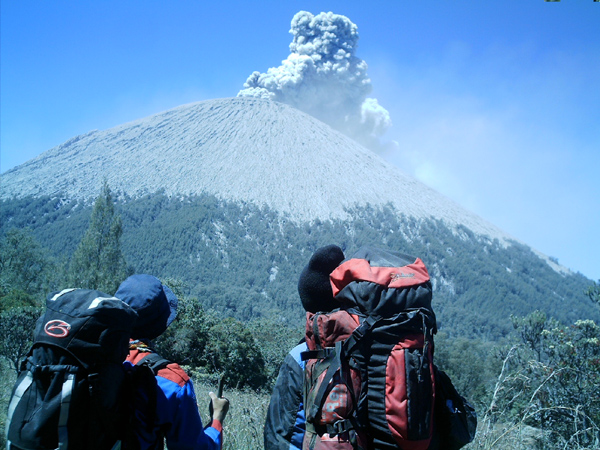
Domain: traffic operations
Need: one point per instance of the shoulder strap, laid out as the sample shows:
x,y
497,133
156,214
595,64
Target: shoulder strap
x,y
154,361
334,357
335,363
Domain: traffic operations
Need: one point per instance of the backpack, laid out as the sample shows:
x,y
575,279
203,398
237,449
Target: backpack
x,y
73,390
455,417
369,377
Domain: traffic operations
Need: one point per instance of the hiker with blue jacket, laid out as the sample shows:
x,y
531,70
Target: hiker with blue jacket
x,y
177,418
285,423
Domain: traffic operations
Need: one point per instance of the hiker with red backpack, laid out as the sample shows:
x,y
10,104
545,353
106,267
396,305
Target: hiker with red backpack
x,y
285,422
369,377
177,419
369,381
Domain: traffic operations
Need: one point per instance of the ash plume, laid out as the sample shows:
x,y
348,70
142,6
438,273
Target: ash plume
x,y
322,77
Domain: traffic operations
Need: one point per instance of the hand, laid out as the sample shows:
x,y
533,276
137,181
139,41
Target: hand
x,y
218,407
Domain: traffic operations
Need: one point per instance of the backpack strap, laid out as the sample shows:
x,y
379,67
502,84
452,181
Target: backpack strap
x,y
360,332
65,402
19,391
154,361
336,364
69,373
350,425
65,398
335,355
316,334
341,426
316,354
349,344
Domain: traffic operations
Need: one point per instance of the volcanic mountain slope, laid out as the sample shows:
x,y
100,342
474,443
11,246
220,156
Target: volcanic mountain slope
x,y
244,188
252,150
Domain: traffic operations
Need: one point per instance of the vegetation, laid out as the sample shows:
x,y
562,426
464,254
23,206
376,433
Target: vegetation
x,y
547,392
98,261
518,339
243,261
25,269
16,339
211,346
593,293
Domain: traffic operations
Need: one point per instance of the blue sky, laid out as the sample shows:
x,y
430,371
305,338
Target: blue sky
x,y
494,104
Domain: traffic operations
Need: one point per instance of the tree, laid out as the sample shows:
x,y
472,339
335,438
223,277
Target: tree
x,y
16,298
276,338
593,292
557,394
531,329
20,322
233,352
470,363
98,262
186,339
211,346
24,268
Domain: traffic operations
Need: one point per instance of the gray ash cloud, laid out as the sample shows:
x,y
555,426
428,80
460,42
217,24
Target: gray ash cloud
x,y
323,77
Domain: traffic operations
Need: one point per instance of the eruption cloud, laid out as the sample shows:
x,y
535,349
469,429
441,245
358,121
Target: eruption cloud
x,y
323,77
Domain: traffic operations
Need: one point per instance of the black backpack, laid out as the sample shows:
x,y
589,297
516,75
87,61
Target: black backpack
x,y
369,377
74,391
455,417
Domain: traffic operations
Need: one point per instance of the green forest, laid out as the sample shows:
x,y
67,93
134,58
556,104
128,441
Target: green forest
x,y
520,340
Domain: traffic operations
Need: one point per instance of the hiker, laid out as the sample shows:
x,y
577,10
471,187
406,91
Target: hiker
x,y
369,378
285,423
74,390
177,418
376,337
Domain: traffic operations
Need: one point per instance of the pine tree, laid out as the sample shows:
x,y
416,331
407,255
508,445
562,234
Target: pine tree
x,y
98,262
593,292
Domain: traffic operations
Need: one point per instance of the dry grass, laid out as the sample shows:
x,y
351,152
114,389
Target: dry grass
x,y
243,428
496,431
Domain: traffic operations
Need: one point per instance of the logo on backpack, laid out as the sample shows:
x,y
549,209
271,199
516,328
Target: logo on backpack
x,y
57,328
396,276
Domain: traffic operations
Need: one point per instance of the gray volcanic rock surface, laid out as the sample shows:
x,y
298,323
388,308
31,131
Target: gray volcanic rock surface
x,y
244,149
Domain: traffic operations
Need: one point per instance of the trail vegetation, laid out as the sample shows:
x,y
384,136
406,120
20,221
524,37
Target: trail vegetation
x,y
520,340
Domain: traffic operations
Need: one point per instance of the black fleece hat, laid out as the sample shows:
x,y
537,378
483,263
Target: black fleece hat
x,y
314,286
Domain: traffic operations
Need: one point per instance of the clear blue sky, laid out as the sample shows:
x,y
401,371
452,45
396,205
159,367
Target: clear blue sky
x,y
494,104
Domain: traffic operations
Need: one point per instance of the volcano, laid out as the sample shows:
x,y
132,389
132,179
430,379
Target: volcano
x,y
239,149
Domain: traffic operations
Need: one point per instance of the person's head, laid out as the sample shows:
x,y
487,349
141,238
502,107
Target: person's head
x,y
314,286
155,304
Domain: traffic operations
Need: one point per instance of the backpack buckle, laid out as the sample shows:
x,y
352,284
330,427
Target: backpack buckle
x,y
316,354
339,427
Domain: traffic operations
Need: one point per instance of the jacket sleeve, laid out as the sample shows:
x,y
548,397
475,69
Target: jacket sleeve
x,y
285,423
181,420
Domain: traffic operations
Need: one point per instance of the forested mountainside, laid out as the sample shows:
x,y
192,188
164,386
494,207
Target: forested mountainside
x,y
232,196
244,261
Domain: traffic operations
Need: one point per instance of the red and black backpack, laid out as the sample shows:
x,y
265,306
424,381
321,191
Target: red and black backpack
x,y
369,378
